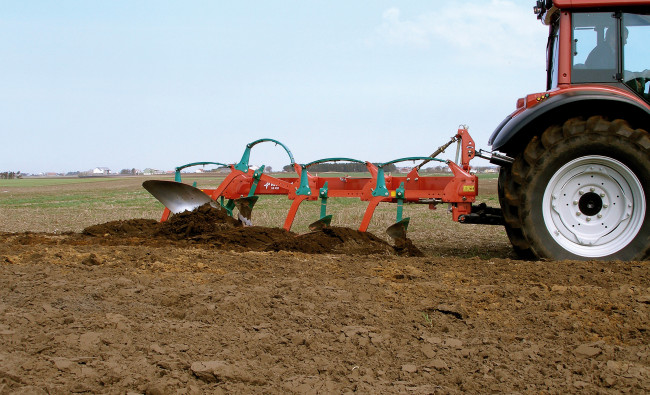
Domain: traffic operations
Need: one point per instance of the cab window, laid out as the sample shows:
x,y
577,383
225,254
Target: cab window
x,y
595,47
636,57
552,54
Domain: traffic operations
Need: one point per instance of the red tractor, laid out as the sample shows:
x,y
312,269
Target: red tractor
x,y
575,182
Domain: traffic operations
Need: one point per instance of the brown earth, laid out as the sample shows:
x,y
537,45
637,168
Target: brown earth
x,y
200,304
211,228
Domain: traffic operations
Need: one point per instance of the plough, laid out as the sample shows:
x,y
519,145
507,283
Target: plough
x,y
244,185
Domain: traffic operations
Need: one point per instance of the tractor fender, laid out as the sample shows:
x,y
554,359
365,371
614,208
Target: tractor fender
x,y
514,132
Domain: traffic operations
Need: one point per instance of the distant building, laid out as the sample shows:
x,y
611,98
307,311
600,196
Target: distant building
x,y
149,171
99,171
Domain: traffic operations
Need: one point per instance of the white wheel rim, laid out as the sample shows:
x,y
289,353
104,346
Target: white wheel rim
x,y
594,206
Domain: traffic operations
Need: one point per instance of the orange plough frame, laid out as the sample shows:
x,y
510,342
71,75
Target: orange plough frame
x,y
459,190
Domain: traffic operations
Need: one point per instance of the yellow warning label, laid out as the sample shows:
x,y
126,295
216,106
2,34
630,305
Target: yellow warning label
x,y
469,188
392,193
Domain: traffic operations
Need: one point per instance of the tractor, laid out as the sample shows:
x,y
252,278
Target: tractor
x,y
578,184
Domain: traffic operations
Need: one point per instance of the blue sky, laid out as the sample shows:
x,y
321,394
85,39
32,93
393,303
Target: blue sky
x,y
137,84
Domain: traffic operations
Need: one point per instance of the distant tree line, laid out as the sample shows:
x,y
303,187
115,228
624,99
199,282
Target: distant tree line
x,y
340,167
446,169
10,175
435,169
360,167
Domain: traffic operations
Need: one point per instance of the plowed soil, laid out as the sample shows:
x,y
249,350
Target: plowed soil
x,y
201,304
210,228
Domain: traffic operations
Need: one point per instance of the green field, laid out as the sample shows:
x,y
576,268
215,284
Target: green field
x,y
46,182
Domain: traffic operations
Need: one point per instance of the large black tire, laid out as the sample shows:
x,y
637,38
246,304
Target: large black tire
x,y
509,202
580,191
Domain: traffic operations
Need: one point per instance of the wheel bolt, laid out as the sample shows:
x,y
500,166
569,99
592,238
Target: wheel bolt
x,y
599,216
602,195
575,202
578,213
592,189
581,192
588,219
605,205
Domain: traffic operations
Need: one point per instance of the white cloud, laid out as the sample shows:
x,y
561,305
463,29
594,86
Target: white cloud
x,y
408,33
497,31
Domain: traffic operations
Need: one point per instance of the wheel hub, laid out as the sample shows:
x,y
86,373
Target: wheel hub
x,y
590,204
594,206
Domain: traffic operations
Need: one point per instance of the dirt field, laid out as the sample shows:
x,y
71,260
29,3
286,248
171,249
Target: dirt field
x,y
202,305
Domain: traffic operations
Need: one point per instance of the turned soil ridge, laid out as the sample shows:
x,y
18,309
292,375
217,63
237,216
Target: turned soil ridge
x,y
213,228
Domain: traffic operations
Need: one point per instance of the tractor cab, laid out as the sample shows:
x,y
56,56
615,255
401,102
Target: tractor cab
x,y
607,46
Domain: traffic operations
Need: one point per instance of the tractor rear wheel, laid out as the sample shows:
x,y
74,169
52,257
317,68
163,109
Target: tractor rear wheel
x,y
581,191
509,202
